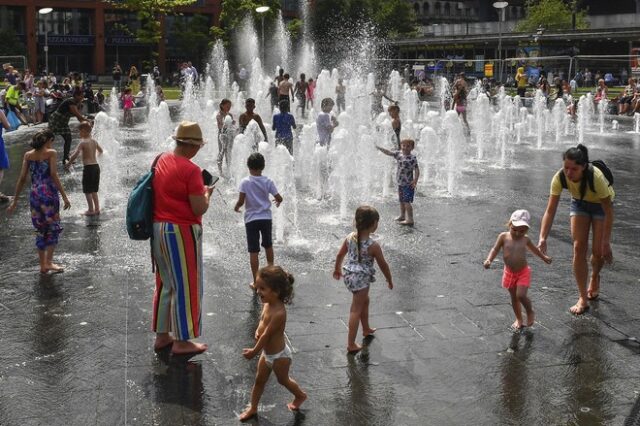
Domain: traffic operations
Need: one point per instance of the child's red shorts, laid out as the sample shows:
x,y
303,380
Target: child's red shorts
x,y
512,279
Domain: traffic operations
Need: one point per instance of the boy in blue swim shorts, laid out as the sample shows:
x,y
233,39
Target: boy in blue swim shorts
x,y
407,177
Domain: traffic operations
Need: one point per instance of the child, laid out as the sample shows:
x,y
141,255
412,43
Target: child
x,y
255,190
283,122
361,251
127,105
225,122
325,122
4,157
91,171
44,198
394,113
517,274
407,179
275,288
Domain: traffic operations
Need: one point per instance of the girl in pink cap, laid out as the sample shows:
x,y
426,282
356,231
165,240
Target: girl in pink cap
x,y
517,273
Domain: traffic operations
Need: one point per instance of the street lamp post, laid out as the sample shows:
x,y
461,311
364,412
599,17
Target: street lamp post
x,y
45,11
262,10
500,5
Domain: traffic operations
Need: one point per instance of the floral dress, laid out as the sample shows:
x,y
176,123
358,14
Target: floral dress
x,y
358,274
45,205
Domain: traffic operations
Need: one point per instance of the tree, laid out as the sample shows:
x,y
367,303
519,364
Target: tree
x,y
340,26
147,12
192,37
234,11
553,14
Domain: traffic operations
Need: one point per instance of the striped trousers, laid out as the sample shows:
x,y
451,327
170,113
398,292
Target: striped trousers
x,y
177,300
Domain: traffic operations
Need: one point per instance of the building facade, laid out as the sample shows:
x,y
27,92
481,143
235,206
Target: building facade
x,y
89,36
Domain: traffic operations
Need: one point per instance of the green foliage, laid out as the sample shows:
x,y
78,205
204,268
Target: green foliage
x,y
234,11
147,12
553,15
192,37
11,44
295,29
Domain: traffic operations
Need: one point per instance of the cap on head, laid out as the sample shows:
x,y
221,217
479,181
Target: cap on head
x,y
520,218
189,132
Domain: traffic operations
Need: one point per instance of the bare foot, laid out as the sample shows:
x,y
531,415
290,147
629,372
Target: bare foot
x,y
162,343
531,318
405,223
517,325
399,219
55,268
368,332
248,414
594,288
578,309
252,285
181,347
89,213
354,349
96,213
297,402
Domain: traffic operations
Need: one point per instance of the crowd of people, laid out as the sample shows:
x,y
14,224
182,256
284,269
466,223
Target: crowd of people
x,y
181,197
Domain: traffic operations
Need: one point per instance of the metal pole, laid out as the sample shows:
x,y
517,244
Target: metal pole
x,y
46,43
263,40
500,50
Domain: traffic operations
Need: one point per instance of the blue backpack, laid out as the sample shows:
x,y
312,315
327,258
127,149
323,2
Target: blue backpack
x,y
140,207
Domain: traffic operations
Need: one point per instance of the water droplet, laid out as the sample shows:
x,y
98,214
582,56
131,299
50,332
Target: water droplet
x,y
545,288
90,287
398,312
510,351
329,305
83,323
440,295
209,314
585,409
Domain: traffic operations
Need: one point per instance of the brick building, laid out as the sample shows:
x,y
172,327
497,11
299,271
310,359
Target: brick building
x,y
87,36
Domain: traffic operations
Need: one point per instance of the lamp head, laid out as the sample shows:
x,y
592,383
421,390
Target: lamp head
x,y
500,4
262,9
45,10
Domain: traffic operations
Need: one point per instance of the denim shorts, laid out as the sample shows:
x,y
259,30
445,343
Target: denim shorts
x,y
585,208
406,193
255,230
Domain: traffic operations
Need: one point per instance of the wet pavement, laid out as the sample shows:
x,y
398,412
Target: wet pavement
x,y
77,347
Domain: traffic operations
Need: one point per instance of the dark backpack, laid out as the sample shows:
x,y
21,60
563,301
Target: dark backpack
x,y
140,207
606,171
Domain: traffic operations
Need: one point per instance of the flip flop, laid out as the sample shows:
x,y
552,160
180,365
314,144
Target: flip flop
x,y
163,347
189,354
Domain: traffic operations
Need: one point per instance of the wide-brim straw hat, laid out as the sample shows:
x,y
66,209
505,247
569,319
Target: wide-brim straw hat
x,y
189,132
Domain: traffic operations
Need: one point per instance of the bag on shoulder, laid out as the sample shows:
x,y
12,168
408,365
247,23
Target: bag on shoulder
x,y
606,171
140,207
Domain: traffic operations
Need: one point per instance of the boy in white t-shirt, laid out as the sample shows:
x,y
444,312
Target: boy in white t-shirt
x,y
254,192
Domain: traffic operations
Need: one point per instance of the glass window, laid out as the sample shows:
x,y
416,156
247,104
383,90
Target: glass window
x,y
66,22
12,18
120,23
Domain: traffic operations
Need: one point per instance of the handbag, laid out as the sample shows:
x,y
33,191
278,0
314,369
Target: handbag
x,y
14,121
140,207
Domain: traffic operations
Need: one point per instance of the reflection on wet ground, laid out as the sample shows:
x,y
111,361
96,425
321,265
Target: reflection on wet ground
x,y
77,347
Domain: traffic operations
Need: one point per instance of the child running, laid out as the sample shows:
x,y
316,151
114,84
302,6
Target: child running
x,y
517,274
283,122
275,288
407,177
255,190
359,272
91,171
